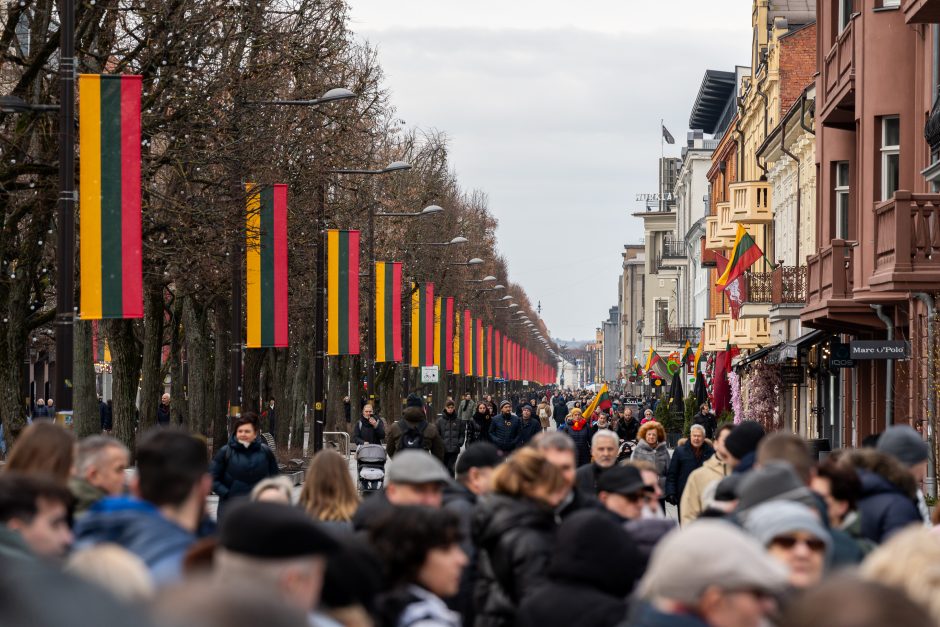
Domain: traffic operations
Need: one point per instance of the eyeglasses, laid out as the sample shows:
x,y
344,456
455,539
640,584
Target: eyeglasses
x,y
788,542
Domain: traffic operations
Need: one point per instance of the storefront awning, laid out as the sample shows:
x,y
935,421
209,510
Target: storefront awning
x,y
790,350
757,355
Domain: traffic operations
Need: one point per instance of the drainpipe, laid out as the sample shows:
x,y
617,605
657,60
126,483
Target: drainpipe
x,y
763,96
930,482
889,367
783,148
740,133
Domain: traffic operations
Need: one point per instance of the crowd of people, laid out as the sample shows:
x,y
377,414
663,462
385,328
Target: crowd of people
x,y
523,512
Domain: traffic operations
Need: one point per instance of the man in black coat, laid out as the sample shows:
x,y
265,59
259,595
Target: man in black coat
x,y
453,430
706,418
531,426
604,448
629,426
369,428
688,456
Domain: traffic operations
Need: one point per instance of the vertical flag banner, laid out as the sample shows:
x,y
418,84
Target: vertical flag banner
x,y
498,347
109,197
487,369
490,353
387,311
458,332
438,344
342,290
478,347
422,325
266,266
467,343
447,310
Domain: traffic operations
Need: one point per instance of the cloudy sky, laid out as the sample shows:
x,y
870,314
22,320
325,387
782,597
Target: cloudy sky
x,y
553,110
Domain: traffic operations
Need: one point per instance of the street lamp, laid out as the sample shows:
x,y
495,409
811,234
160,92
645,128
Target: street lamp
x,y
457,240
483,280
333,95
476,261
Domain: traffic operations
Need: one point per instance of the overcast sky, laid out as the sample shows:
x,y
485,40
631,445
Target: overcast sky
x,y
553,110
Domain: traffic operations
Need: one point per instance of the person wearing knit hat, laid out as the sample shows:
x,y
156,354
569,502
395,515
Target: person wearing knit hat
x,y
794,536
908,447
710,573
414,430
776,481
741,445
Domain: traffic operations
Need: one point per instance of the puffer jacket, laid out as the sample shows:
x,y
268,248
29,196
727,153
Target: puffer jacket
x,y
478,428
237,468
515,538
453,430
506,432
412,417
659,456
530,428
888,502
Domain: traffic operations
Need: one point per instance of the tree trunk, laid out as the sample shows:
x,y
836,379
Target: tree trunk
x,y
125,356
151,382
335,391
197,358
388,389
251,377
177,388
87,418
300,396
277,369
220,376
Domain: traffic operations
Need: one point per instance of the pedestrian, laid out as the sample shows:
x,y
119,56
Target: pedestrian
x,y
329,494
545,413
706,418
847,601
414,431
413,478
593,569
467,407
710,574
44,448
420,548
478,429
741,445
369,429
690,455
628,427
652,447
40,411
531,426
514,531
647,417
604,449
559,450
909,448
793,535
163,411
100,470
34,519
241,463
158,523
840,488
453,431
908,562
277,489
578,429
269,419
115,569
713,470
622,491
506,429
106,414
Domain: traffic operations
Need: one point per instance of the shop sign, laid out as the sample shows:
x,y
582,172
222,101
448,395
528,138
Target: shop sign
x,y
841,356
881,349
792,375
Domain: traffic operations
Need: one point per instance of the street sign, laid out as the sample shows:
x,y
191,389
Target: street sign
x,y
525,383
881,349
841,356
791,375
429,374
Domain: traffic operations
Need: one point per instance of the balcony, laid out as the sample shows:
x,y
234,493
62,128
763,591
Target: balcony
x,y
788,285
680,335
829,299
673,248
907,243
750,332
921,11
750,203
837,103
726,226
717,333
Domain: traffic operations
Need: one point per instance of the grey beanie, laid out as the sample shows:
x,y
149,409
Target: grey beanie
x,y
769,520
904,444
504,404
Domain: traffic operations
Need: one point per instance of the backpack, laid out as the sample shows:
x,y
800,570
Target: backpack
x,y
413,437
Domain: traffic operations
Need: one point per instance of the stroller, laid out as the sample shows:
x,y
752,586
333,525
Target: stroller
x,y
370,465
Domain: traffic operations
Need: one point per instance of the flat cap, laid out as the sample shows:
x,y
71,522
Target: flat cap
x,y
478,455
272,531
412,466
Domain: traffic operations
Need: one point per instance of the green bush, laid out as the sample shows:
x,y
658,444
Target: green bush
x,y
663,415
691,407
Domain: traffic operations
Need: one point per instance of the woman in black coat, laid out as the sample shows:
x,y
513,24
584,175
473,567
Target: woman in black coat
x,y
242,463
479,425
514,530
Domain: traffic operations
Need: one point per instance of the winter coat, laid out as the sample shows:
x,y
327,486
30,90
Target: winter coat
x,y
106,413
647,532
559,412
589,579
463,503
530,428
582,442
84,493
515,538
659,456
627,429
412,417
466,409
139,527
544,412
453,430
237,468
371,509
365,433
647,615
506,432
692,503
163,414
13,548
683,463
585,478
478,428
888,501
708,421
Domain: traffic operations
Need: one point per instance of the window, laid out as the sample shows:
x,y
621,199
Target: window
x,y
890,3
890,155
846,9
662,316
842,199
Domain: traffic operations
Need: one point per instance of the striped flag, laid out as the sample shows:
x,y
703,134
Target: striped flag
x,y
698,354
387,311
109,197
743,255
444,333
342,288
467,343
422,325
458,332
478,364
266,265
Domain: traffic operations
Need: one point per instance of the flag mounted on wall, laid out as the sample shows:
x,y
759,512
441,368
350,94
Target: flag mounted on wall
x,y
266,266
387,311
109,197
342,290
422,325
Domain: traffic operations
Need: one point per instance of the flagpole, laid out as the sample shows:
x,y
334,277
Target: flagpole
x,y
662,158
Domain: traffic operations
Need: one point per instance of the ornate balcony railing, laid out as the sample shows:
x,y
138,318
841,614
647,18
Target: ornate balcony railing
x,y
759,287
789,285
673,248
907,243
750,203
679,335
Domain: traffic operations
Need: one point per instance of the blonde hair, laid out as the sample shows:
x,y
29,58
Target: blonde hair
x,y
909,561
329,493
115,569
279,483
524,472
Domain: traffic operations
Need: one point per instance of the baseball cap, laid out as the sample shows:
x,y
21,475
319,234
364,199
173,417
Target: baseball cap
x,y
478,455
622,480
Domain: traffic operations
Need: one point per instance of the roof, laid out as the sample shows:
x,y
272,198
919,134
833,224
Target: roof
x,y
796,11
713,95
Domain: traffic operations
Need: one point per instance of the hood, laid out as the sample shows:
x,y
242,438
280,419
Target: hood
x,y
881,473
237,446
449,415
480,418
610,566
498,513
413,415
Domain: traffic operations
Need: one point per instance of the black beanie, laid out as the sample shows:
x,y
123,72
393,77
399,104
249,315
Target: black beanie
x,y
414,400
744,438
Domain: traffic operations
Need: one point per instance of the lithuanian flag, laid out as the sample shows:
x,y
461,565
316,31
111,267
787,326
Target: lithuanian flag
x,y
743,254
266,265
601,400
686,353
698,355
422,325
478,362
342,288
387,311
651,359
444,333
109,196
458,331
466,343
637,368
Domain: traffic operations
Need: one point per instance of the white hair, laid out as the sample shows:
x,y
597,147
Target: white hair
x,y
696,427
606,433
